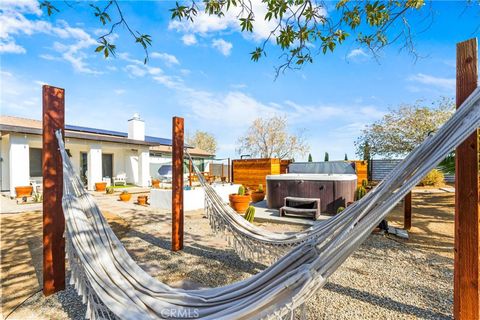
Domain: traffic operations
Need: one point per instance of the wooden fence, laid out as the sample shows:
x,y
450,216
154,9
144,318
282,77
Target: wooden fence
x,y
361,169
252,172
284,165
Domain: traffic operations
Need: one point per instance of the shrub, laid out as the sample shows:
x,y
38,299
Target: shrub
x,y
434,178
340,209
250,214
241,191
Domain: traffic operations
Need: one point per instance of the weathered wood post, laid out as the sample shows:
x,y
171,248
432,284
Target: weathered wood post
x,y
229,171
52,171
190,169
177,183
467,206
407,211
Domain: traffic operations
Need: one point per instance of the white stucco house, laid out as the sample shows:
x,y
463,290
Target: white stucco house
x,y
97,154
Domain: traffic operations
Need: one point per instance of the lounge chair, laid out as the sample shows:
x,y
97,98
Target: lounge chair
x,y
120,179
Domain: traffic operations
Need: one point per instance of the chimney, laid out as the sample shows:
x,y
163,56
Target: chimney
x,y
136,128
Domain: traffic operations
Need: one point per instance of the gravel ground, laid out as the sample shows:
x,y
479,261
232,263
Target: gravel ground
x,y
386,278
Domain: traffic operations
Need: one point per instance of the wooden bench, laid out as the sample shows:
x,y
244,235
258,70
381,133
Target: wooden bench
x,y
301,206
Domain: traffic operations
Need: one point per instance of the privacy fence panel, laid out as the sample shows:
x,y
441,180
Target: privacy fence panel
x,y
252,172
379,168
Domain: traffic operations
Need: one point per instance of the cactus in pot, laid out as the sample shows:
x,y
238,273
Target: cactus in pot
x,y
259,194
239,201
241,191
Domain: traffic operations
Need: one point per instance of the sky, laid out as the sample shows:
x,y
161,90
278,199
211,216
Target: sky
x,y
202,71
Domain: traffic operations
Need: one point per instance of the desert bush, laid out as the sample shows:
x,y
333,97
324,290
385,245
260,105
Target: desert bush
x,y
434,178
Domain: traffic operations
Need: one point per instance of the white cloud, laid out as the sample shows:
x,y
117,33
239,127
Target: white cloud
x,y
14,22
223,46
10,46
238,86
189,39
204,23
169,59
445,84
119,91
19,96
135,71
357,53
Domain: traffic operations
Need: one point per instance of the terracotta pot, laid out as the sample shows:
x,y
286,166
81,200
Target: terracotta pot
x,y
155,183
142,200
23,191
239,203
100,186
125,196
258,196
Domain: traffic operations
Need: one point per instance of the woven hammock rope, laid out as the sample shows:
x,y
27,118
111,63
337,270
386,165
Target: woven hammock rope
x,y
114,286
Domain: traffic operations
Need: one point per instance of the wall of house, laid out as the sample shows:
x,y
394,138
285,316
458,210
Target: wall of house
x,y
125,160
4,156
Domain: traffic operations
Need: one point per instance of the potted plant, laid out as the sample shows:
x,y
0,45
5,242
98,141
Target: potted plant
x,y
142,200
155,183
125,196
259,194
23,191
37,197
239,201
100,186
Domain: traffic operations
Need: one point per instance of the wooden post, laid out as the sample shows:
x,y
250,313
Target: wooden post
x,y
467,206
229,171
221,175
52,170
407,211
177,183
190,169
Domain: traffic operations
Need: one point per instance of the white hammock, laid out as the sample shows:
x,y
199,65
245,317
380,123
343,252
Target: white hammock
x,y
114,286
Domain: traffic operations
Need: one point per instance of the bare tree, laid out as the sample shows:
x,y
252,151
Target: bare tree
x,y
269,138
202,140
402,129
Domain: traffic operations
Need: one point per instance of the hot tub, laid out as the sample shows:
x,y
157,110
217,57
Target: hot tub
x,y
333,190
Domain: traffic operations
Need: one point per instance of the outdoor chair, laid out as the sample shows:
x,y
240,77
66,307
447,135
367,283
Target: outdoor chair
x,y
120,179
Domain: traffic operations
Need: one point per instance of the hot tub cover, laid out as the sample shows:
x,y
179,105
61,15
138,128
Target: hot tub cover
x,y
328,167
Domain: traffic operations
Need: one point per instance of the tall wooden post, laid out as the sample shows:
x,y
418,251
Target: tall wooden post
x,y
190,169
177,183
467,206
407,211
53,219
229,172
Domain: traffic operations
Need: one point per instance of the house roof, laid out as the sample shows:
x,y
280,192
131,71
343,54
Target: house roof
x,y
194,152
32,126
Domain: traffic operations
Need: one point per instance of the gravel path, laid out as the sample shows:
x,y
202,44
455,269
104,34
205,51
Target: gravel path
x,y
386,278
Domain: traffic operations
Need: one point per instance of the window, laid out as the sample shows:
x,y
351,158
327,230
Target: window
x,y
35,162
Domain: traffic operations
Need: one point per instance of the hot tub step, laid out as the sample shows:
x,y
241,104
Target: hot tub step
x,y
314,213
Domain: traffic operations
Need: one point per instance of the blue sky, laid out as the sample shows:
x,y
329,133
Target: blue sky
x,y
203,72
